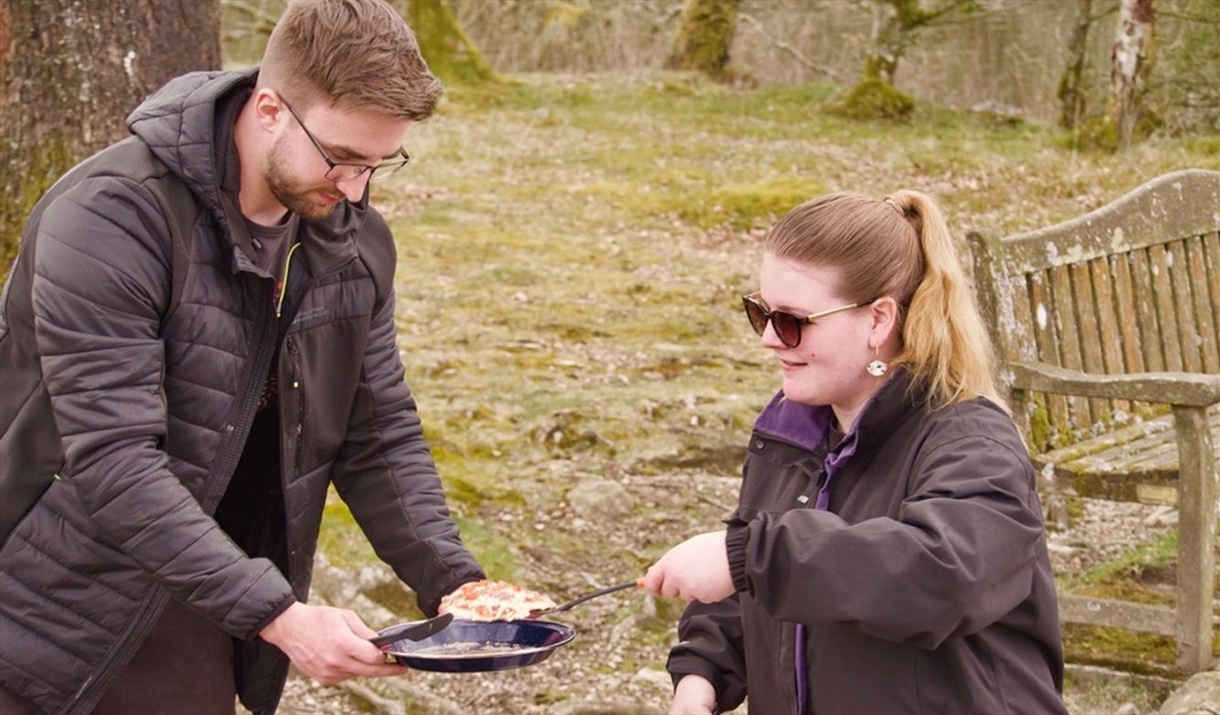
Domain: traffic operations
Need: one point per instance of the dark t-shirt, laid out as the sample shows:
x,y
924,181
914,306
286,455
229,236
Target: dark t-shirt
x,y
271,243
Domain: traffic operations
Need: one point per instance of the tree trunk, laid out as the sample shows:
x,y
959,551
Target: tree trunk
x,y
895,24
72,71
450,54
704,37
1130,65
1071,85
889,40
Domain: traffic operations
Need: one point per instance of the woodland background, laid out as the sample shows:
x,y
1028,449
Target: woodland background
x,y
1112,72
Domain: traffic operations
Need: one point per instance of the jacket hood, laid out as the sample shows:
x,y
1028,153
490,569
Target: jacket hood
x,y
188,125
178,124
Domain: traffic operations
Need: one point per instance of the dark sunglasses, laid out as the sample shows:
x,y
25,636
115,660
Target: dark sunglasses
x,y
788,327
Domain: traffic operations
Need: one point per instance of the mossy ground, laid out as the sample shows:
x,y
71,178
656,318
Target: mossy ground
x,y
572,252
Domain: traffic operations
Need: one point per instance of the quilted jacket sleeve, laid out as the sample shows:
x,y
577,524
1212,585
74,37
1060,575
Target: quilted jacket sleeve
x,y
386,475
102,282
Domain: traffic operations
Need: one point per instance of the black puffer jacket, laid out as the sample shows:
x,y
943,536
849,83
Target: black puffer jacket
x,y
132,369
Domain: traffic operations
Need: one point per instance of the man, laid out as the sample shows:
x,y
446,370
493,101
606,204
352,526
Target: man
x,y
197,340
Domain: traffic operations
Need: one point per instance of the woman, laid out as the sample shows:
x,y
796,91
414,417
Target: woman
x,y
887,554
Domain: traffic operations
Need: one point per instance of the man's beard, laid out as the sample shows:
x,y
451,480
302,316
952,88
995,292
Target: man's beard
x,y
303,202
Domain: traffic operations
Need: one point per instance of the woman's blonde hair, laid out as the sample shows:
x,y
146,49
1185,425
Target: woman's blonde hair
x,y
359,55
900,247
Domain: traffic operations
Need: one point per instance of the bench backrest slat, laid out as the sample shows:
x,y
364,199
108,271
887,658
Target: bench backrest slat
x,y
1206,298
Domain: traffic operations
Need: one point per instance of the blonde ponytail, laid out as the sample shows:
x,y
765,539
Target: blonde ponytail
x,y
945,343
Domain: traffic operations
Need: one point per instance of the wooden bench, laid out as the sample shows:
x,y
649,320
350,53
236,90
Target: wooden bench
x,y
1106,331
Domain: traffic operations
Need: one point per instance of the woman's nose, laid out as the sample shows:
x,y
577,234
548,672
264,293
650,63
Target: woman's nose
x,y
769,338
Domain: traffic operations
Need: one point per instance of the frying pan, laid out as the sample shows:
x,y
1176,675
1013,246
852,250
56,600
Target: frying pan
x,y
478,646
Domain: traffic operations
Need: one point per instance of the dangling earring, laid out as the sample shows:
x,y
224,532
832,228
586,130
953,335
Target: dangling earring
x,y
877,368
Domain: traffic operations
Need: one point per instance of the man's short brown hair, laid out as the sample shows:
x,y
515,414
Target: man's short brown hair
x,y
358,55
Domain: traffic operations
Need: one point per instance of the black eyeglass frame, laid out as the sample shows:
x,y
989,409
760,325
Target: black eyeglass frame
x,y
387,168
788,327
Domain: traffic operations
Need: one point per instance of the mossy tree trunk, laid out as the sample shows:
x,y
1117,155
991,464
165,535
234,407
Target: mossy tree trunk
x,y
704,37
1130,65
450,54
895,26
72,71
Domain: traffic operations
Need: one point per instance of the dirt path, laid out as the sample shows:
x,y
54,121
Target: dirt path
x,y
615,666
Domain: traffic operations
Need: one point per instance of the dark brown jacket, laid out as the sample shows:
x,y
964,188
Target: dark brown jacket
x,y
136,338
922,583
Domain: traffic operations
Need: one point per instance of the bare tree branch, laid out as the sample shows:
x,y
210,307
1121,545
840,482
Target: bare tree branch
x,y
929,17
790,49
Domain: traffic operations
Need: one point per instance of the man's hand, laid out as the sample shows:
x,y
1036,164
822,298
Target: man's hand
x,y
693,696
328,644
696,570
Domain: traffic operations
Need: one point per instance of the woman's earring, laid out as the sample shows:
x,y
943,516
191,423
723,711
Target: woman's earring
x,y
877,368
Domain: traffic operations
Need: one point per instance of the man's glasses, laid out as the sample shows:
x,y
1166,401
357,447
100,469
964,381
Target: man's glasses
x,y
342,171
788,327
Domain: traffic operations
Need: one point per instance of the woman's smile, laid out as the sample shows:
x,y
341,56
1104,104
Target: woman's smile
x,y
791,366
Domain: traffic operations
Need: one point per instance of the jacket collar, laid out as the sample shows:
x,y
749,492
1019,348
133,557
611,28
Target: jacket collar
x,y
805,426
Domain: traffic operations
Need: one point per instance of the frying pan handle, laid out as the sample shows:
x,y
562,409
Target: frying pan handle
x,y
595,594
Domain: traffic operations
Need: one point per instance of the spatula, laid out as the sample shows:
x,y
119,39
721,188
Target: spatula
x,y
577,601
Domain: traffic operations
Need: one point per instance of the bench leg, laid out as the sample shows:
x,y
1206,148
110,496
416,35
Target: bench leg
x,y
1196,535
1057,506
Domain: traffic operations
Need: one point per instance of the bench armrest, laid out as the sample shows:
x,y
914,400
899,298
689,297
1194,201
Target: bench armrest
x,y
1172,388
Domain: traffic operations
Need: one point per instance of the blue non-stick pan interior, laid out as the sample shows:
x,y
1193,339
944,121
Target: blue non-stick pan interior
x,y
473,646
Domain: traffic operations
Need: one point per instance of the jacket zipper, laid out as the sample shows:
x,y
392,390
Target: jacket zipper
x,y
281,292
819,482
815,485
282,287
295,351
142,622
251,390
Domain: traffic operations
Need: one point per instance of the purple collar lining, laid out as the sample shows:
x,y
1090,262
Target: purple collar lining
x,y
805,426
799,424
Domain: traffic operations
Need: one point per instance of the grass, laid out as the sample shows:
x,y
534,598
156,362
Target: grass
x,y
572,250
1143,574
1131,566
578,243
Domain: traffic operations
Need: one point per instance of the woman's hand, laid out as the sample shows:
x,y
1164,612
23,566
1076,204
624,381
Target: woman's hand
x,y
693,696
696,570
